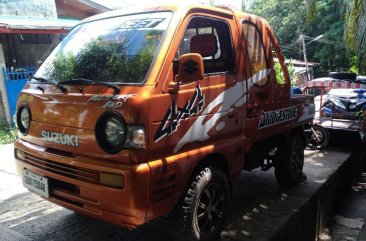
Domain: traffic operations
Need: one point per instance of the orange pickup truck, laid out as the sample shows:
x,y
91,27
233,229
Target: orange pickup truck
x,y
136,115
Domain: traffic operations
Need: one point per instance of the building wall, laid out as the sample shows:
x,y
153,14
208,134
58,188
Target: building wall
x,y
4,104
65,11
25,54
34,8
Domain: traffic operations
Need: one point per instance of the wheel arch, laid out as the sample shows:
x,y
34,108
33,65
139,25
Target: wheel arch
x,y
217,160
299,130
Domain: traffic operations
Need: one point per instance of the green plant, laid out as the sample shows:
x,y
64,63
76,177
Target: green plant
x,y
7,133
279,74
292,74
353,65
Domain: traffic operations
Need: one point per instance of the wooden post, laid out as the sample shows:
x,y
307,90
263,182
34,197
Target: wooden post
x,y
4,94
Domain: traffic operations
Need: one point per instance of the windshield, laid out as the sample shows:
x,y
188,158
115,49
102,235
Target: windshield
x,y
119,49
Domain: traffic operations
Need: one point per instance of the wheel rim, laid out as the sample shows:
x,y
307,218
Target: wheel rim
x,y
320,139
297,159
210,208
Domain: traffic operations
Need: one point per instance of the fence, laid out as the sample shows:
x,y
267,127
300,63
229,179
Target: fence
x,y
14,83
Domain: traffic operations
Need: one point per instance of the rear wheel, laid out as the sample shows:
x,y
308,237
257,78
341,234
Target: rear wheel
x,y
289,161
201,212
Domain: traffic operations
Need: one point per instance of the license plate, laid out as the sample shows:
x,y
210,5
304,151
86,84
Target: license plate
x,y
35,183
352,107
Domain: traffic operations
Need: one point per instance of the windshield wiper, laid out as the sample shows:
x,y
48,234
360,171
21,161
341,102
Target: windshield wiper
x,y
77,81
43,80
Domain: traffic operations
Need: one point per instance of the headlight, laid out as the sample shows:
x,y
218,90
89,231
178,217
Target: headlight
x,y
23,119
110,132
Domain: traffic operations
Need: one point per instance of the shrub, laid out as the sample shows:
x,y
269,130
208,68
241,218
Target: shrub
x,y
7,133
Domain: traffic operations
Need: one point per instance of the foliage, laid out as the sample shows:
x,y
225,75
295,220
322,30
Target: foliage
x,y
353,68
354,12
288,20
7,133
284,17
101,61
279,73
63,67
291,73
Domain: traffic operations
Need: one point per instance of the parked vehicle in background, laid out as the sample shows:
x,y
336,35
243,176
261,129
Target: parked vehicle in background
x,y
361,79
345,103
343,76
348,77
320,87
138,115
318,136
338,104
295,90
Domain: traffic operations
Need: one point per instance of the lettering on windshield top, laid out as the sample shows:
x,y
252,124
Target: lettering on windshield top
x,y
174,115
140,23
275,117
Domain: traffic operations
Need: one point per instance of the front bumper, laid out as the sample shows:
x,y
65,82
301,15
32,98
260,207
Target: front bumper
x,y
74,184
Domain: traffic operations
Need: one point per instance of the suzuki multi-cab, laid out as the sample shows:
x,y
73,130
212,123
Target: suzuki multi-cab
x,y
150,113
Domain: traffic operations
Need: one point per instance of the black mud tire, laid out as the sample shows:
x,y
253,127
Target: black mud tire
x,y
343,75
201,212
321,142
289,161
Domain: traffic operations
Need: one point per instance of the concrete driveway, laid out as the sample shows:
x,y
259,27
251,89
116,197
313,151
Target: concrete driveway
x,y
257,197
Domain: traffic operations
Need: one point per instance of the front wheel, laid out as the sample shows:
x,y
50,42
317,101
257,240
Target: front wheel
x,y
289,161
200,214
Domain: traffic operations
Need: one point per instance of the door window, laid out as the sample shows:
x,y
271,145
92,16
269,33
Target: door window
x,y
256,53
212,39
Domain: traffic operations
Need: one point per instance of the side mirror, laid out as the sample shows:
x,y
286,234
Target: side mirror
x,y
190,68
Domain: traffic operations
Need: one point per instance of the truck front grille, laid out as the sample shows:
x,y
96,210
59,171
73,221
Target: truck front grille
x,y
82,174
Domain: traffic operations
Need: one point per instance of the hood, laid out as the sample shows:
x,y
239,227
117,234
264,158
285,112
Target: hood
x,y
73,108
67,121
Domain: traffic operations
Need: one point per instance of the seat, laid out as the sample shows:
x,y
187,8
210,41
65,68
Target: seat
x,y
204,44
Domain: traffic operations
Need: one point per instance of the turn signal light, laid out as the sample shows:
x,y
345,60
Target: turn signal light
x,y
20,154
113,180
136,138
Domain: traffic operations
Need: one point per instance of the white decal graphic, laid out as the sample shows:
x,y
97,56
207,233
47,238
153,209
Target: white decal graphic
x,y
275,117
96,98
234,96
60,138
308,111
220,126
112,105
112,101
176,114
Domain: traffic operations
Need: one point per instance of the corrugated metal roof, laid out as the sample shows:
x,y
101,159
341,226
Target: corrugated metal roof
x,y
97,5
30,23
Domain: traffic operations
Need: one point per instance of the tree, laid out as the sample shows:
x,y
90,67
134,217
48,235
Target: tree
x,y
355,24
288,19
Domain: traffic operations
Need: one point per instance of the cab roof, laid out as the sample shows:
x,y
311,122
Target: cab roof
x,y
181,8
